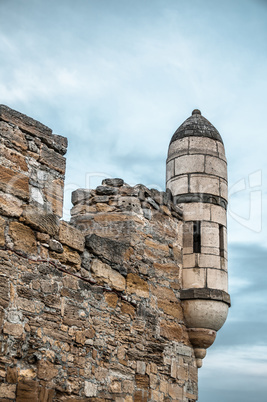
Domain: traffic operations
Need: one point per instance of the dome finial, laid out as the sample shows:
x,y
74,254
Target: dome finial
x,y
196,111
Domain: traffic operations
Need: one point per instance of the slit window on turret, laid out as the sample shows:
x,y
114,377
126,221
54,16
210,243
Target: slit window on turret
x,y
221,240
196,237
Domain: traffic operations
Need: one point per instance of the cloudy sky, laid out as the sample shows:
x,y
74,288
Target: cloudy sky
x,y
117,77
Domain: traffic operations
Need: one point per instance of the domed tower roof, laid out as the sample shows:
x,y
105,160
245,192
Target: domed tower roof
x,y
196,126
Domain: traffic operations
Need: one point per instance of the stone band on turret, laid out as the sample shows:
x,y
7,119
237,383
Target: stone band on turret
x,y
207,294
200,197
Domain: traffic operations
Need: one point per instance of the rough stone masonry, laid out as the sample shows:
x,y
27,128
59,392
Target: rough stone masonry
x,y
120,303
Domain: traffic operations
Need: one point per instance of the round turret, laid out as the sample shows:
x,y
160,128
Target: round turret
x,y
197,179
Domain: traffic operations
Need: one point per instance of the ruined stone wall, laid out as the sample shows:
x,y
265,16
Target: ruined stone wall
x,y
89,310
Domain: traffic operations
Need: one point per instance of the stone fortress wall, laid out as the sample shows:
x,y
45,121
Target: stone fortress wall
x,y
93,309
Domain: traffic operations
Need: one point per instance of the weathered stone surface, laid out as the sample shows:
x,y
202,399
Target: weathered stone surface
x,y
90,389
10,206
108,275
8,391
71,236
27,391
38,219
23,238
173,331
13,158
24,122
14,135
80,195
52,159
12,375
68,256
13,329
2,231
46,370
137,285
110,250
168,302
106,190
53,191
56,246
113,182
216,166
189,164
15,183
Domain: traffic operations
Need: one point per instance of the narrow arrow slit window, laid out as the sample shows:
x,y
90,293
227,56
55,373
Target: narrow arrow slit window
x,y
196,237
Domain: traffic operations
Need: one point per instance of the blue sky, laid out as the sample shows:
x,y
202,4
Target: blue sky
x,y
117,77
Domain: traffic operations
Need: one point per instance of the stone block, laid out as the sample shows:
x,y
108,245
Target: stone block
x,y
14,135
115,387
54,191
173,331
196,211
13,329
188,238
27,391
189,164
10,205
2,232
80,195
104,273
169,170
223,189
224,264
68,256
111,250
176,392
194,278
15,183
142,381
52,159
218,215
137,285
202,145
204,184
23,238
210,250
131,204
8,391
217,279
90,389
113,182
221,149
209,234
179,147
12,375
24,122
106,190
189,260
39,220
58,142
216,166
13,158
46,395
209,261
111,299
179,185
46,370
167,301
55,245
127,308
71,236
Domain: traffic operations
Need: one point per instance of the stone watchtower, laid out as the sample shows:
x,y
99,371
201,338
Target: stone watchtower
x,y
197,179
120,303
